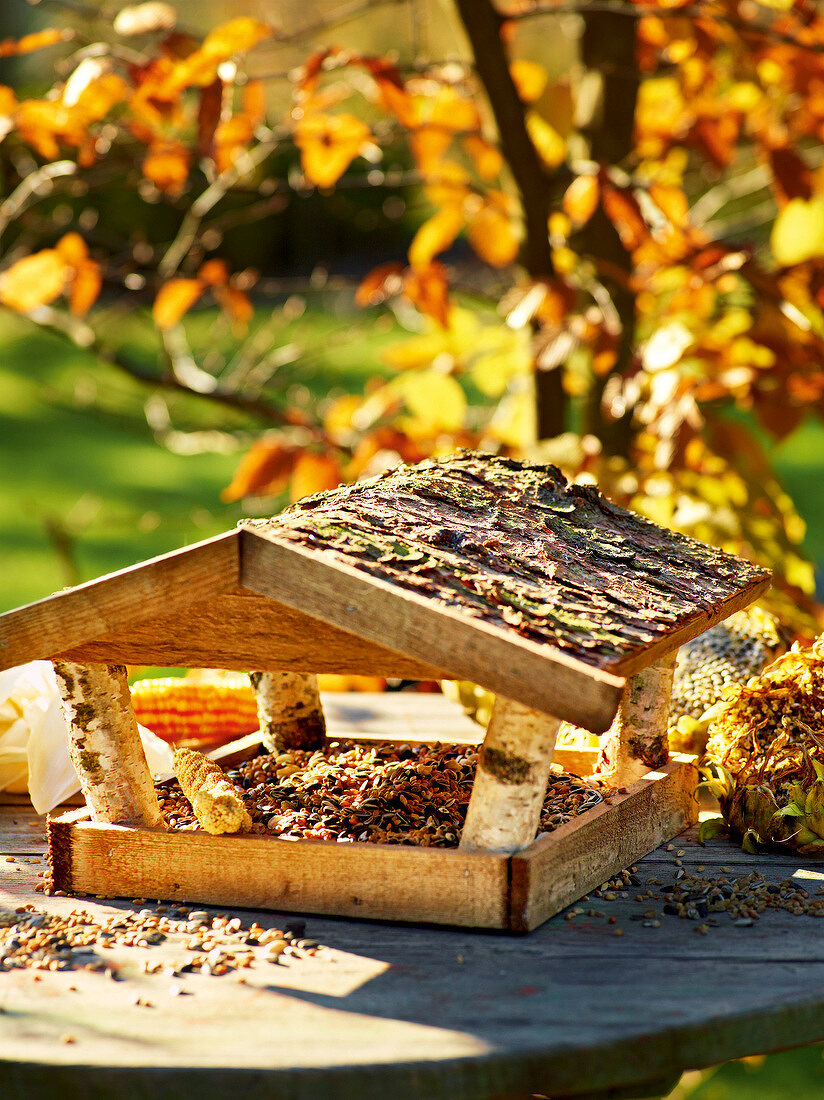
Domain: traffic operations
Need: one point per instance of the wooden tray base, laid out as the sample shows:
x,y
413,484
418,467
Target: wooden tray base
x,y
515,893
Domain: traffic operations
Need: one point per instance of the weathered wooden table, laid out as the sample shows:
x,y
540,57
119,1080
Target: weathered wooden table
x,y
410,1012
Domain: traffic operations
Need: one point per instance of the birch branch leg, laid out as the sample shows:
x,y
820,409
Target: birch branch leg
x,y
290,711
105,745
636,742
511,781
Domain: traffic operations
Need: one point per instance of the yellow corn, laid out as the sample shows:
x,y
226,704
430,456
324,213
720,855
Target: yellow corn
x,y
202,711
217,802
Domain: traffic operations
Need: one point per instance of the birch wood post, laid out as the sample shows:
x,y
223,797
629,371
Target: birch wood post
x,y
290,710
511,781
105,745
637,742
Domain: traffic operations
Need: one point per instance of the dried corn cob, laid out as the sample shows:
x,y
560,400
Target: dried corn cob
x,y
207,712
217,802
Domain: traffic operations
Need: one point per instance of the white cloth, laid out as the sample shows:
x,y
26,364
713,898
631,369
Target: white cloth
x,y
34,742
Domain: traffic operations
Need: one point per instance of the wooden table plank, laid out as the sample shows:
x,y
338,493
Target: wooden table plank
x,y
424,1011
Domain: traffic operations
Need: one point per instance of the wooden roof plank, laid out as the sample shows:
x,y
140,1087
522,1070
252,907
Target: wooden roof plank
x,y
116,602
243,630
419,627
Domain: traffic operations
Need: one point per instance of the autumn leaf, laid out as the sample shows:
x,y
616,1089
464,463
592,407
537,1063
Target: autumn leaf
x,y
174,299
237,36
328,144
435,400
427,289
38,40
581,199
792,178
485,156
72,249
314,473
798,232
435,235
492,235
621,207
209,111
34,281
529,79
236,305
166,164
85,287
381,283
550,145
263,471
213,273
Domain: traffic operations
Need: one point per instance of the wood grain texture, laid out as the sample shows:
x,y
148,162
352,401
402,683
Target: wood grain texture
x,y
387,882
516,546
405,1011
114,603
417,627
564,865
243,630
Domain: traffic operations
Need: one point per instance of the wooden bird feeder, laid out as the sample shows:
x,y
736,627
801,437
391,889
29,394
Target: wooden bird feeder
x,y
470,567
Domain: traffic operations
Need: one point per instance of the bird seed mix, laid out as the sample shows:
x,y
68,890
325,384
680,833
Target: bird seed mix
x,y
392,794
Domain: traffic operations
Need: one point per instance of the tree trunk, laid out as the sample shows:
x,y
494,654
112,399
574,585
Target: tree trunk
x,y
482,24
608,50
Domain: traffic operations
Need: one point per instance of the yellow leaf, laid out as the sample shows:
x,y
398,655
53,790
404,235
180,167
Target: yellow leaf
x,y
550,145
174,299
236,36
416,352
529,78
338,423
435,235
492,235
798,232
514,420
34,281
312,474
328,144
436,400
38,40
485,156
449,185
581,198
72,248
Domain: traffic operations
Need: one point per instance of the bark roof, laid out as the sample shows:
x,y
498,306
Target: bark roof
x,y
517,546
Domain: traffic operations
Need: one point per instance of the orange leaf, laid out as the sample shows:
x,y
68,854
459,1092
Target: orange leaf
x,y
328,144
263,471
231,138
581,199
485,156
254,101
236,305
34,281
435,235
381,283
392,91
428,291
791,176
10,47
72,248
214,273
491,234
174,299
167,165
623,211
428,144
314,473
85,287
